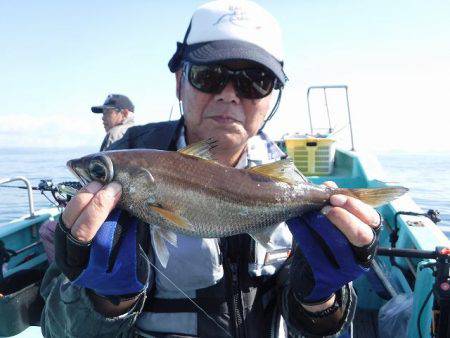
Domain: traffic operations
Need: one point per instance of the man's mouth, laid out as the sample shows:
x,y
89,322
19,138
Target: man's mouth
x,y
225,119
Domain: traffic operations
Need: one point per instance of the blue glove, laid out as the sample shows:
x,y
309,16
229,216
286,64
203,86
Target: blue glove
x,y
114,264
324,260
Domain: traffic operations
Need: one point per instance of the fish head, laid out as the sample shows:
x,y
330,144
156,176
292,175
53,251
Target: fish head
x,y
131,168
95,167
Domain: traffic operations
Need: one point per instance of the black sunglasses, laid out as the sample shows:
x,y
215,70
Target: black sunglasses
x,y
250,83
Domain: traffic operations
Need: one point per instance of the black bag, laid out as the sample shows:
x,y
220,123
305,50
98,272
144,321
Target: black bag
x,y
20,302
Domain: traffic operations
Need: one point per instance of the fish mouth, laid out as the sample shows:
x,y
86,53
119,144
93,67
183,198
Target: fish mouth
x,y
77,169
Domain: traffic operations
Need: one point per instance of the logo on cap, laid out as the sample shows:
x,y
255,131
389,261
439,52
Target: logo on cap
x,y
238,17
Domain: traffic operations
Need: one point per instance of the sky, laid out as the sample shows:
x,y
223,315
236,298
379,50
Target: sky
x,y
59,58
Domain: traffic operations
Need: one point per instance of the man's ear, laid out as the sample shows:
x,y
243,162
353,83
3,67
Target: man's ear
x,y
178,80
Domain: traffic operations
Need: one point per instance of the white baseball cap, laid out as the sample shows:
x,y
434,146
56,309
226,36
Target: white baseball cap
x,y
225,30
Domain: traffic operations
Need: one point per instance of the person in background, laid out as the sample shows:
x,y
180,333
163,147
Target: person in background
x,y
118,116
229,74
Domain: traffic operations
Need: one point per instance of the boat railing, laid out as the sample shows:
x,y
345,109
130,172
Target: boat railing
x,y
29,190
330,128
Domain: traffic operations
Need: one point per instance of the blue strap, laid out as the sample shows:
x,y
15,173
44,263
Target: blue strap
x,y
122,278
328,253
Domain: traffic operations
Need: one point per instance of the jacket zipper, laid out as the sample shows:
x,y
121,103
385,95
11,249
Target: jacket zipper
x,y
231,269
237,301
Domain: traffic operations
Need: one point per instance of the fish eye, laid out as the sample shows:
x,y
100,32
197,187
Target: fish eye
x,y
100,171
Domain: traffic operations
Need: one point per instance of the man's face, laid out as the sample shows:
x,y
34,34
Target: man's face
x,y
225,117
112,118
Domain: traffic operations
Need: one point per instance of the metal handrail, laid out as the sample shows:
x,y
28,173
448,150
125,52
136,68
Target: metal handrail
x,y
324,88
29,190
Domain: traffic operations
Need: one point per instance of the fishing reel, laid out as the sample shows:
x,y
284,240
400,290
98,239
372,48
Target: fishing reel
x,y
61,192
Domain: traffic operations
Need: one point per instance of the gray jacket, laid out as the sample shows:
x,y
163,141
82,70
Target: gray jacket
x,y
69,312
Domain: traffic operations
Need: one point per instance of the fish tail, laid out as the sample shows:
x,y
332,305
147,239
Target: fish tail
x,y
373,196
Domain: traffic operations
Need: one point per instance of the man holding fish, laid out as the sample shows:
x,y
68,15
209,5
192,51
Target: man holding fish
x,y
215,234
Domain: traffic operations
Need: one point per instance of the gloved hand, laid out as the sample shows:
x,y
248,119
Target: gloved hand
x,y
113,264
324,260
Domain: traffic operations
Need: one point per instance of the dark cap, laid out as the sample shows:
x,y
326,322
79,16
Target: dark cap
x,y
114,101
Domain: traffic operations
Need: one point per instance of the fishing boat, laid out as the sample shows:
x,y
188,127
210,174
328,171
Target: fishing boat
x,y
408,283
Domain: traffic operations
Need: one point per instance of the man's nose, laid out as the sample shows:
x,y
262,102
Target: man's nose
x,y
228,94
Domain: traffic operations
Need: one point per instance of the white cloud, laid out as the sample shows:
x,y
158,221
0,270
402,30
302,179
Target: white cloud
x,y
55,130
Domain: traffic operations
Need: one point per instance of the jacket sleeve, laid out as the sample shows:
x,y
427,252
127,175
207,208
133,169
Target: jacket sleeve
x,y
69,312
333,325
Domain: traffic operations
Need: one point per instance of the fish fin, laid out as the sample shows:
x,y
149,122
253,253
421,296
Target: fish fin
x,y
159,246
145,175
373,196
263,237
283,170
172,217
142,184
200,149
169,236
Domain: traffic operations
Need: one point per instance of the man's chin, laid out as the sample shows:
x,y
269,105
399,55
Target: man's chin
x,y
227,136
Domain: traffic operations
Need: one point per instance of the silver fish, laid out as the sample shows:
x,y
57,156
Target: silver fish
x,y
188,192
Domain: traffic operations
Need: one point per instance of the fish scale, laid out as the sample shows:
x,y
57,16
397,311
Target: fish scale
x,y
218,208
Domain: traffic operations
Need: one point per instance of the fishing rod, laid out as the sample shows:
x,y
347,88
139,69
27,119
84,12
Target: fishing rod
x,y
61,192
441,287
